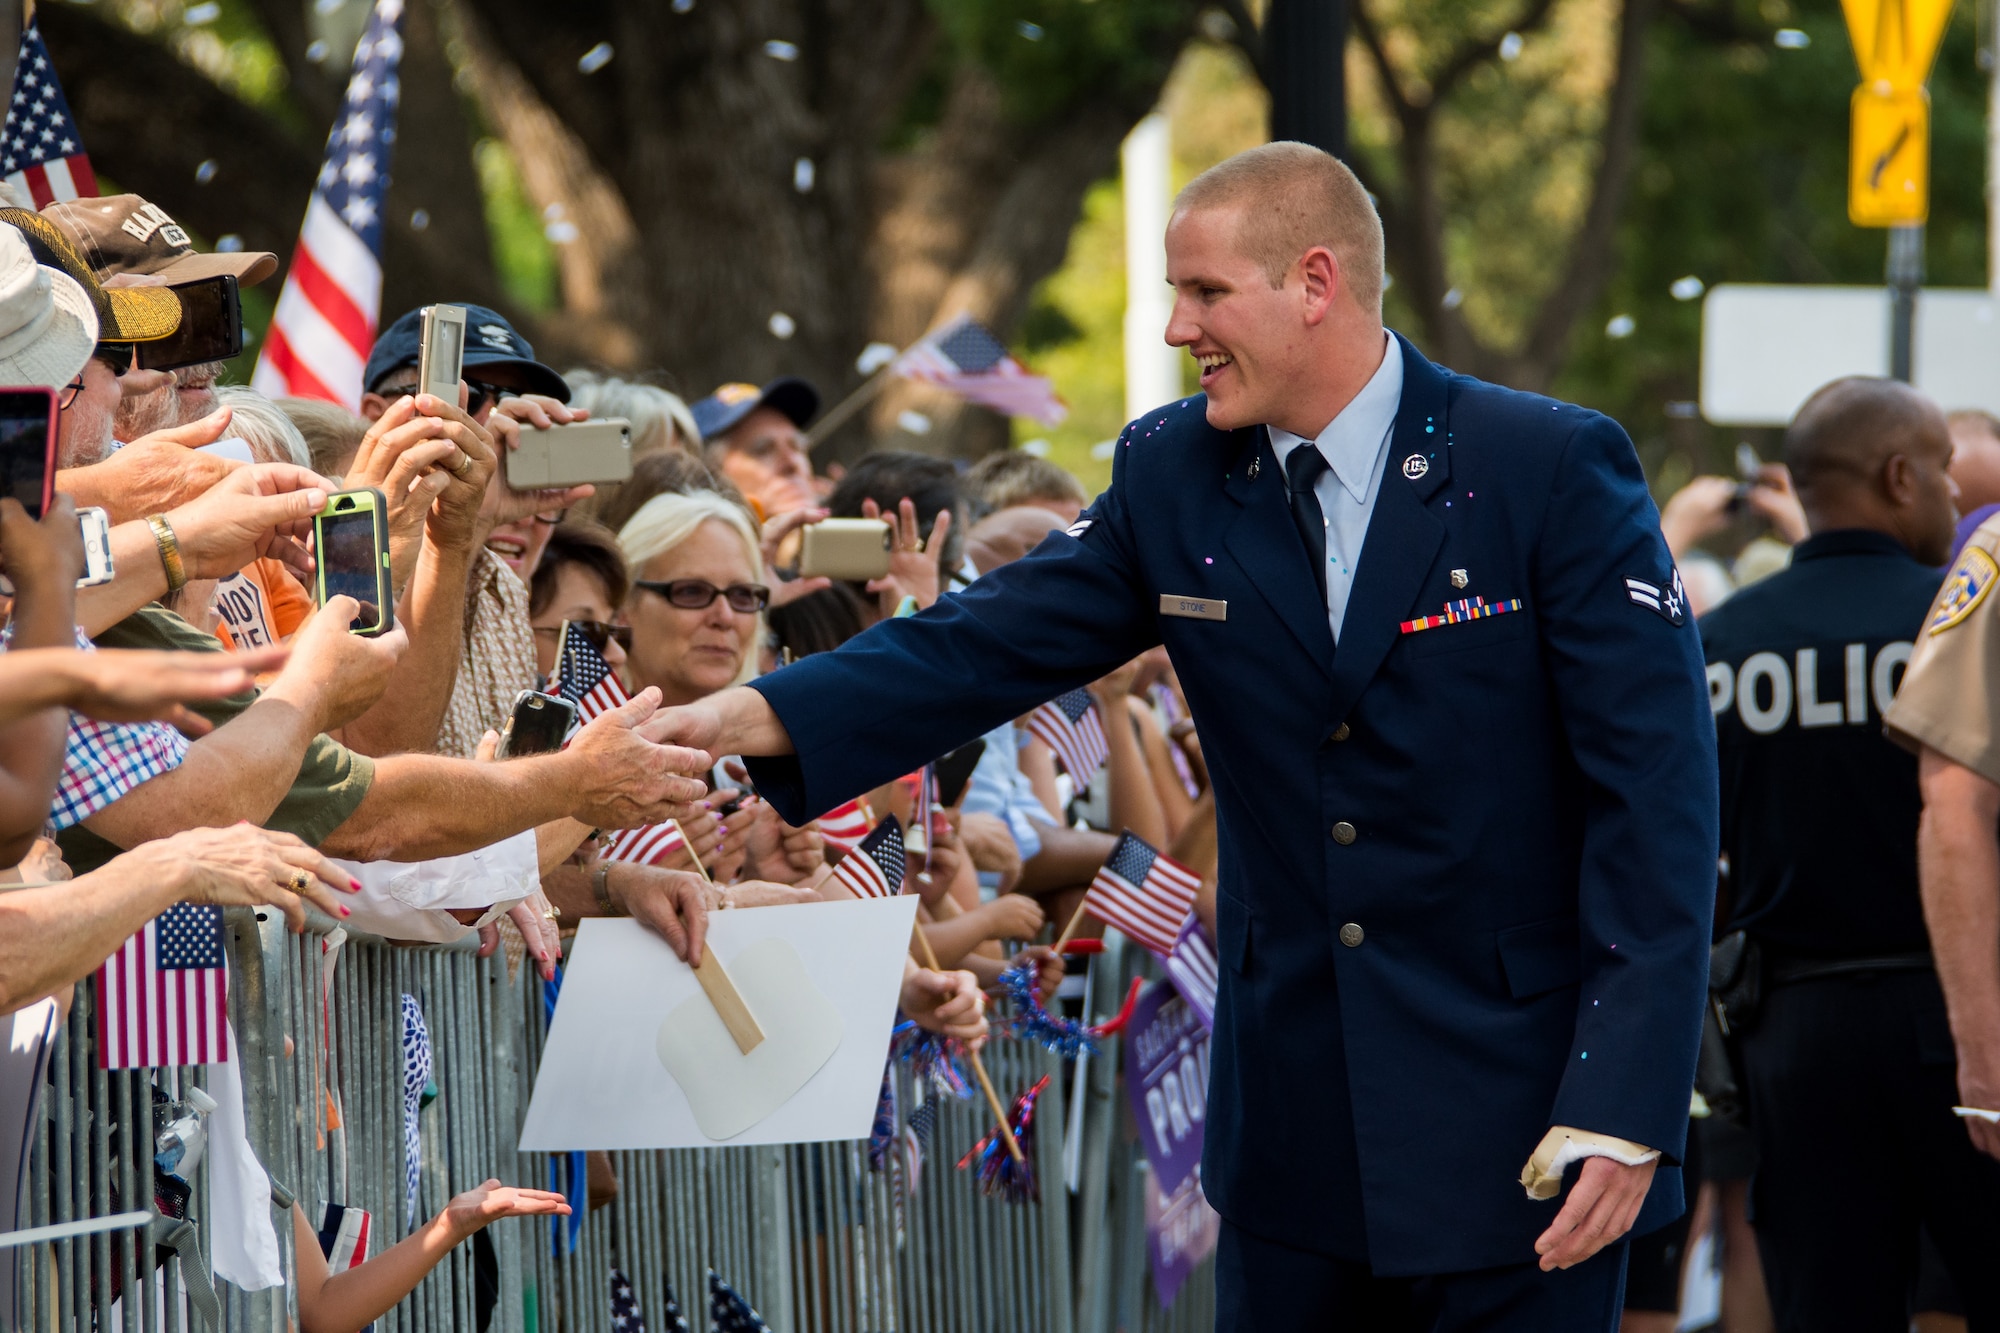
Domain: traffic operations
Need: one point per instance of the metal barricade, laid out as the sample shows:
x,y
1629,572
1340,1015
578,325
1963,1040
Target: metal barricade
x,y
807,1233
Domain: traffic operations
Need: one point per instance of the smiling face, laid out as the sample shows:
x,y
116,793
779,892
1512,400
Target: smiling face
x,y
1255,342
691,654
520,544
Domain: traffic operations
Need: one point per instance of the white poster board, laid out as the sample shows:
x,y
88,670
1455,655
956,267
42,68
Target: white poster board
x,y
634,1033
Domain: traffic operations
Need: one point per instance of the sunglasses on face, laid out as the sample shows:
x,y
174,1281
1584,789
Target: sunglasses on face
x,y
594,632
116,356
697,594
478,394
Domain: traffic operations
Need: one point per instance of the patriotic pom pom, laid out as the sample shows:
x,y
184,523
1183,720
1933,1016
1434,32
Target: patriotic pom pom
x,y
1066,1037
1000,1176
932,1056
882,1135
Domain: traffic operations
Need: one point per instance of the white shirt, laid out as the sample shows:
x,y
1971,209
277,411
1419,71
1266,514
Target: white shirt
x,y
1355,445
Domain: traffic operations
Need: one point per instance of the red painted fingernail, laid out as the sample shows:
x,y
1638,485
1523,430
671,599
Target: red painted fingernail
x,y
354,886
345,910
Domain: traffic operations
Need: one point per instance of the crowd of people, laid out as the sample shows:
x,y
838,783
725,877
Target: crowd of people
x,y
200,729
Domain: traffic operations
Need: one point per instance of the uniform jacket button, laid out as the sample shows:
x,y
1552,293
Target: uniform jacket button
x,y
1340,733
1343,833
1351,935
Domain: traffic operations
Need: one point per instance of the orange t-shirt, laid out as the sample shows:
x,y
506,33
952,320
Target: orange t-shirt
x,y
259,606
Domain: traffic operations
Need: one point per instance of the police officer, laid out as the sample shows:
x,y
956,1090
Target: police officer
x,y
1848,1059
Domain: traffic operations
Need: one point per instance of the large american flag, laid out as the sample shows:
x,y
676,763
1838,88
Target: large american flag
x,y
969,361
585,679
1144,893
326,316
1068,725
43,155
163,998
875,868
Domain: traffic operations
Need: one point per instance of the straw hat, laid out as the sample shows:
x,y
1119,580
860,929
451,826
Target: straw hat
x,y
124,315
47,324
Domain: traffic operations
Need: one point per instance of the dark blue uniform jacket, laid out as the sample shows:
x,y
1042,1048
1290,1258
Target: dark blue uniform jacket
x,y
1531,798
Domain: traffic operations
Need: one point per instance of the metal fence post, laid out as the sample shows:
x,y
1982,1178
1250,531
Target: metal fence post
x,y
771,1207
1095,1247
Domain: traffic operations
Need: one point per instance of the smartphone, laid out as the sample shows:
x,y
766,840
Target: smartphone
x,y
1748,466
351,544
441,360
28,447
856,549
211,327
97,563
538,724
954,771
582,451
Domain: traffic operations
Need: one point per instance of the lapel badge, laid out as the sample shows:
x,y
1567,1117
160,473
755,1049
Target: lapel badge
x,y
1459,578
1256,466
1415,466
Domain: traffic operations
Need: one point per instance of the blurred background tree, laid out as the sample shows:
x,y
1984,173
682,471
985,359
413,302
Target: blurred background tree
x,y
710,191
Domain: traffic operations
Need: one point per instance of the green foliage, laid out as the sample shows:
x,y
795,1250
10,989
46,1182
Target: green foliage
x,y
521,251
1742,177
1047,55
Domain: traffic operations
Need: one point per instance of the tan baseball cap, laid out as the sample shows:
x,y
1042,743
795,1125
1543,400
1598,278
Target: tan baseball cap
x,y
122,233
128,315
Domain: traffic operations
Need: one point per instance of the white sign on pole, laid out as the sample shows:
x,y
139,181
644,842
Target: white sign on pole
x,y
638,1058
1764,349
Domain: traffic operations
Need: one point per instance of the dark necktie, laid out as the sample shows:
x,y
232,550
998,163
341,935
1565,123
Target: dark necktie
x,y
1302,472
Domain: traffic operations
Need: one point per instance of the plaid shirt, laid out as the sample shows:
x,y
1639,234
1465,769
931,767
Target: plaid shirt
x,y
104,760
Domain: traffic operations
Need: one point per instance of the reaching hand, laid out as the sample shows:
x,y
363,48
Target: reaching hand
x,y
1601,1207
483,1205
259,510
947,1002
413,459
1772,496
1111,691
334,675
1012,916
138,685
244,866
1695,512
913,561
622,778
1049,969
673,904
776,530
991,846
535,917
154,473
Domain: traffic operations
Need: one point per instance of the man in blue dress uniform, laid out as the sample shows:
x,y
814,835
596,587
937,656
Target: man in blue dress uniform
x,y
1454,709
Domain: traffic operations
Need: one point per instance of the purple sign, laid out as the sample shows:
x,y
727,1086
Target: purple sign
x,y
1166,1074
1181,1231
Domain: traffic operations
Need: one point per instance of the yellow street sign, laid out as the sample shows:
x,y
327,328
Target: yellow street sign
x,y
1888,159
1896,40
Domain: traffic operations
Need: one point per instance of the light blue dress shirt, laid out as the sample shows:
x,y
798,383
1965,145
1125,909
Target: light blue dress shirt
x,y
1356,447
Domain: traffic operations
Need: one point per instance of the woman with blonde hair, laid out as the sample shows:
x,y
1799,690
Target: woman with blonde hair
x,y
698,595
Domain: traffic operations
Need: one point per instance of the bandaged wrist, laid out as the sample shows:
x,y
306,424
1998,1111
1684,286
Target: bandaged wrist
x,y
1543,1175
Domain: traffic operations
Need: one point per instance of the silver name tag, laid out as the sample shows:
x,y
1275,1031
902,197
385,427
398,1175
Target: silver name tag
x,y
1194,608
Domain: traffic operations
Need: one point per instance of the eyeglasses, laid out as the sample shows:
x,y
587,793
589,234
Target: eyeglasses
x,y
478,394
67,395
116,356
594,632
695,594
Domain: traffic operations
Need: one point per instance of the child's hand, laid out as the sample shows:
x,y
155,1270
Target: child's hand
x,y
485,1204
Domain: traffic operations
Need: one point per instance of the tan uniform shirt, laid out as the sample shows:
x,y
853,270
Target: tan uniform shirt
x,y
1950,695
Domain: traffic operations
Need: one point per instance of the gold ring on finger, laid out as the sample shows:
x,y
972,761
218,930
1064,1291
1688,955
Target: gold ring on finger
x,y
301,881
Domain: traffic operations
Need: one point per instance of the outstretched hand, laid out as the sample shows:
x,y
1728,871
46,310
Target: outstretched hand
x,y
483,1205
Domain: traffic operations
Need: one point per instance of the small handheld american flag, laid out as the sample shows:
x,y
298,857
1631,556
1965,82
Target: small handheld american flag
x,y
585,679
845,826
43,151
1144,893
163,998
1192,966
729,1312
1068,724
969,361
647,845
874,869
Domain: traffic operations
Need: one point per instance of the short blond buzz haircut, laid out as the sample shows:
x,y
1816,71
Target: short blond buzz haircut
x,y
1294,197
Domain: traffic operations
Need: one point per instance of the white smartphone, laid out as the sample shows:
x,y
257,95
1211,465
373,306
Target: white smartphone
x,y
97,563
441,360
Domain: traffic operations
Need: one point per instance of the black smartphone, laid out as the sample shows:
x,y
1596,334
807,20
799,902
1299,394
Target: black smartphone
x,y
211,327
538,724
28,447
351,544
955,770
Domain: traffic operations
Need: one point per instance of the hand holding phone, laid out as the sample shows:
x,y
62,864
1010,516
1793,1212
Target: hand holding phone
x,y
351,543
856,549
40,556
441,359
538,725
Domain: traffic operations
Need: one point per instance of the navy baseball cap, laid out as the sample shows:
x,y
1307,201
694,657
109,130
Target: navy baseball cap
x,y
725,409
489,341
